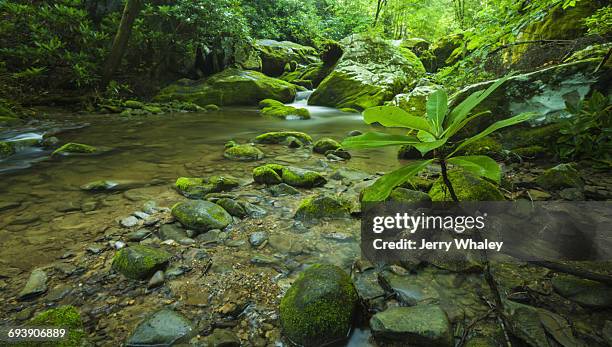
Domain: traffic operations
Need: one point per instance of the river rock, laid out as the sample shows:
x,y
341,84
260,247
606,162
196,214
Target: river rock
x,y
282,189
258,238
302,178
279,137
423,325
582,291
322,206
162,328
156,280
197,188
230,87
222,338
407,289
172,232
35,286
319,307
201,215
74,148
140,262
285,112
414,102
232,206
467,187
275,55
408,196
268,174
6,149
325,144
243,153
560,176
370,72
129,222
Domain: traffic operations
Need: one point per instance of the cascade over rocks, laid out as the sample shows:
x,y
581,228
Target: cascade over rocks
x,y
230,87
370,72
275,55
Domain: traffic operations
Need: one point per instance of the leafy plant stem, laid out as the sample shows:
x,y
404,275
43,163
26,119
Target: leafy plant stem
x,y
447,182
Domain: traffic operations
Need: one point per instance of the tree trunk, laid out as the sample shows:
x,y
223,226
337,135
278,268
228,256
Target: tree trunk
x,y
130,12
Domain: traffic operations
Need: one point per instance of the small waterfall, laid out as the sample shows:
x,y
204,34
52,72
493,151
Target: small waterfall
x,y
301,98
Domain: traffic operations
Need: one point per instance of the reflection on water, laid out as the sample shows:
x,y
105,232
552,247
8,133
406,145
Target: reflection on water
x,y
43,212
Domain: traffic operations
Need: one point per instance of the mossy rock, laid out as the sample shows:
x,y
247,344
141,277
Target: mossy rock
x,y
484,146
320,306
348,110
269,174
276,55
422,325
409,152
6,149
212,107
72,148
467,187
134,104
560,176
201,215
585,292
302,178
521,137
269,103
285,112
153,109
325,144
61,317
408,196
278,137
531,151
140,262
322,206
230,87
232,207
243,153
442,52
197,188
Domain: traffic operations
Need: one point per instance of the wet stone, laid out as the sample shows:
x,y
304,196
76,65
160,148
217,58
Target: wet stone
x,y
138,235
282,189
407,289
582,291
258,238
140,215
222,338
129,222
35,286
425,325
162,328
172,232
156,280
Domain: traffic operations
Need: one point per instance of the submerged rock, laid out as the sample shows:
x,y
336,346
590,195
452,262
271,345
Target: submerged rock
x,y
172,232
282,189
467,187
582,291
197,188
72,148
230,87
560,176
423,325
6,149
243,153
370,72
268,174
201,215
302,178
222,338
319,307
322,206
285,112
325,144
162,328
140,262
279,137
36,285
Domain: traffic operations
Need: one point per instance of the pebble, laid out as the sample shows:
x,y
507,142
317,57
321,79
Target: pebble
x,y
129,222
141,215
156,280
94,249
149,207
119,245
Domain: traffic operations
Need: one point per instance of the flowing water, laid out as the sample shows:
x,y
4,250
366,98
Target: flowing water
x,y
44,213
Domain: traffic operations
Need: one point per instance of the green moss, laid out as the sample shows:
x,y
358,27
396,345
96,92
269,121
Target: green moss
x,y
153,109
201,215
484,146
560,176
275,55
62,317
319,307
285,112
279,137
467,187
243,153
325,144
6,149
531,151
518,137
268,174
140,262
71,147
419,183
302,178
211,107
134,104
403,195
414,61
198,187
348,110
322,206
269,103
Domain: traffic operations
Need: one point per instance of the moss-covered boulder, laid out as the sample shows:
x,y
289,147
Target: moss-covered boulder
x,y
421,325
278,137
325,144
230,87
275,55
322,206
269,174
233,207
560,176
302,178
197,188
319,307
269,103
312,74
285,112
67,317
408,196
74,148
140,262
370,72
467,187
444,52
6,149
484,146
201,215
582,291
414,102
243,153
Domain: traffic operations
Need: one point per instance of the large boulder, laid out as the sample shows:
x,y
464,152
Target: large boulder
x,y
415,101
370,72
275,55
319,307
230,87
442,53
201,215
309,76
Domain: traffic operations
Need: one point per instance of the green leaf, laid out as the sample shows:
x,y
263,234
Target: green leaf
x,y
376,139
466,106
496,126
381,189
425,147
393,116
437,106
455,127
479,165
